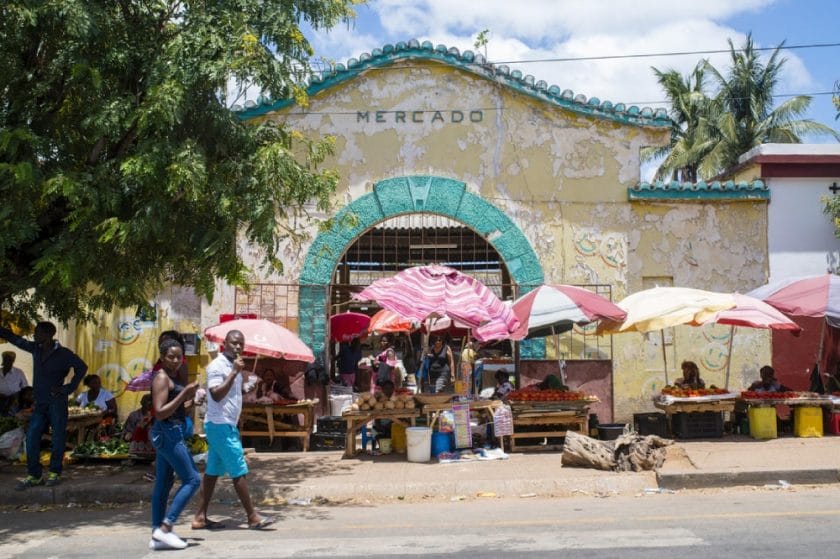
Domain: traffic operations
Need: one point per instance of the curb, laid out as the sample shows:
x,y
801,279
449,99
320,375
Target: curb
x,y
705,480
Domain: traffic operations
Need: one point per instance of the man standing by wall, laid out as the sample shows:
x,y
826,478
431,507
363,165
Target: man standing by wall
x,y
51,362
225,455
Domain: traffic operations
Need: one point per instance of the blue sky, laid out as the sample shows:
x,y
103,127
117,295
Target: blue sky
x,y
536,29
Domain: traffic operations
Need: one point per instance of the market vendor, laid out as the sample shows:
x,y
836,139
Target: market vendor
x,y
21,408
382,427
768,382
12,381
95,394
551,382
691,376
503,385
136,428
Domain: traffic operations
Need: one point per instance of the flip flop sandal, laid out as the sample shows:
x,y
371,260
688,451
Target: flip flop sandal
x,y
264,523
210,525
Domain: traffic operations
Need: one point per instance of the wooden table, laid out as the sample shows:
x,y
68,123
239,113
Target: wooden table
x,y
690,407
358,419
557,417
276,421
78,424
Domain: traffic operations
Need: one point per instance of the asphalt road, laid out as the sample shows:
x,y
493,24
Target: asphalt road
x,y
743,522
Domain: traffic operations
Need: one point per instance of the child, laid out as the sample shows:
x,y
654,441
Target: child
x,y
382,427
503,385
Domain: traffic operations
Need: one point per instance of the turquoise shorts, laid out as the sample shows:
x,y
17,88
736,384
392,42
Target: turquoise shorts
x,y
224,452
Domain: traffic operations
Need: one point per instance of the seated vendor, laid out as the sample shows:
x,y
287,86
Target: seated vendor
x,y
551,382
503,385
768,382
691,376
97,395
12,381
21,407
136,428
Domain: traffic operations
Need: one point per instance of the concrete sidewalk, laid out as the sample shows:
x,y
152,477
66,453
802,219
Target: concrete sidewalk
x,y
277,478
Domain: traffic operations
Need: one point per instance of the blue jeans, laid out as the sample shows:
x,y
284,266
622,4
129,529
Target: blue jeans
x,y
172,458
53,414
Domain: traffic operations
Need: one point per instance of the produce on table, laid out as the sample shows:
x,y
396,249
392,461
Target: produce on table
x,y
196,444
790,395
526,395
104,447
692,392
379,401
78,411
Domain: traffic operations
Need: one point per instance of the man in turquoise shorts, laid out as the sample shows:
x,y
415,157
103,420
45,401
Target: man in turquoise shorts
x,y
226,380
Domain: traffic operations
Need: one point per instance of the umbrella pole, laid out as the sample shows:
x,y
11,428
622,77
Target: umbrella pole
x,y
729,355
664,354
822,343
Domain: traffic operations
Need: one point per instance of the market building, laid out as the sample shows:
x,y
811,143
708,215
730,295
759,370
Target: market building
x,y
446,158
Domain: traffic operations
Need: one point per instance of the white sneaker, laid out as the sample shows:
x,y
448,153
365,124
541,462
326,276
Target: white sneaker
x,y
169,538
155,545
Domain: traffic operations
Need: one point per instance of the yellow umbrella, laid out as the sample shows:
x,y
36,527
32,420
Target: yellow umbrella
x,y
663,307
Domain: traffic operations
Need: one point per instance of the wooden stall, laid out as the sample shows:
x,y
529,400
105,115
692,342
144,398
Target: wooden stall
x,y
275,420
358,419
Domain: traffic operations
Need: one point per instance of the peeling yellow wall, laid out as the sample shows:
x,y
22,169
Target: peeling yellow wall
x,y
563,179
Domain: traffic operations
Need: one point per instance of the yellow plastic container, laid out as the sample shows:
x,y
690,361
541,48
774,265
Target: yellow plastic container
x,y
807,421
762,422
398,439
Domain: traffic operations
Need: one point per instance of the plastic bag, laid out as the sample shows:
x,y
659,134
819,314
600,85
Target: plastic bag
x,y
10,443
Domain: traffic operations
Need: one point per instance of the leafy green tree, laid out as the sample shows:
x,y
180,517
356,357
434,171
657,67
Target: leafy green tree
x,y
747,117
122,168
690,132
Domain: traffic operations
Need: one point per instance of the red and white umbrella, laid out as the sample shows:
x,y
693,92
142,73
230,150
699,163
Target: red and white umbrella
x,y
347,326
751,313
554,309
422,292
263,337
813,296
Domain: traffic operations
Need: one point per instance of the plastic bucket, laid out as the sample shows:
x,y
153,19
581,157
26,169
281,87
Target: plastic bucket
x,y
441,442
339,403
398,440
418,443
385,446
610,431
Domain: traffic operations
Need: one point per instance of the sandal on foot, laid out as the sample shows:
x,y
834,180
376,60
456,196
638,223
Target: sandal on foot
x,y
263,523
209,525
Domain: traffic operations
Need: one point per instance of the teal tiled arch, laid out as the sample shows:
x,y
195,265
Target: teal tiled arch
x,y
399,196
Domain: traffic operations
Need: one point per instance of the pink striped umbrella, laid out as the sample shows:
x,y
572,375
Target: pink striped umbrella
x,y
436,291
814,296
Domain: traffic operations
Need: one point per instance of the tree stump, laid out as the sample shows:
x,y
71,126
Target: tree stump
x,y
585,452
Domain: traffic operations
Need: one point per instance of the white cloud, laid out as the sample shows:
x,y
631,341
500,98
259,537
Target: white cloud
x,y
540,29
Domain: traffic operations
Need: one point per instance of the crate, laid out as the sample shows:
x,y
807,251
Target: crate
x,y
331,424
326,441
651,424
762,422
807,421
697,425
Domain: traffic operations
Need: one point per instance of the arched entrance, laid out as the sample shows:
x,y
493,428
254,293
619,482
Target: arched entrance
x,y
401,196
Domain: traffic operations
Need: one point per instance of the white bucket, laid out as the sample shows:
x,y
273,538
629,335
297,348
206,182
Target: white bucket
x,y
419,444
339,403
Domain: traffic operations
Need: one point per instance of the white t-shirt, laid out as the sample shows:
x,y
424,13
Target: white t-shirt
x,y
103,397
12,382
228,409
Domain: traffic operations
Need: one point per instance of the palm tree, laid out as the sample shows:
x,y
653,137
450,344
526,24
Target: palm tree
x,y
743,111
690,132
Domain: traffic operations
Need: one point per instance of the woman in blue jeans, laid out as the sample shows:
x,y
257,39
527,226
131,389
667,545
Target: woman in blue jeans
x,y
169,401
